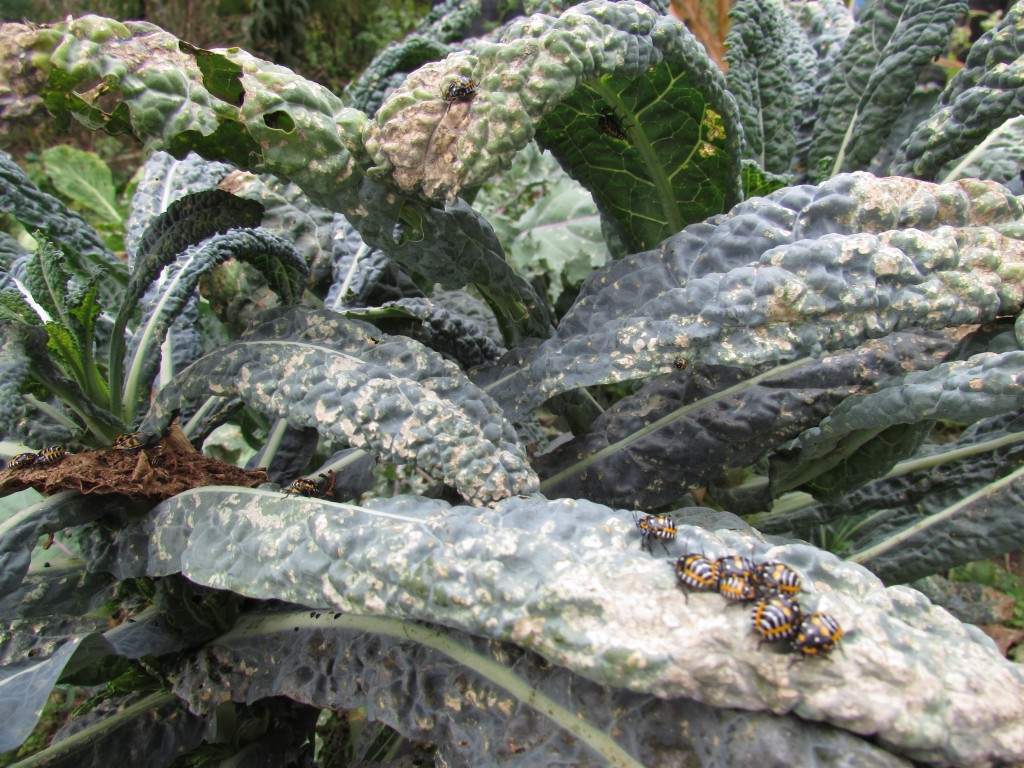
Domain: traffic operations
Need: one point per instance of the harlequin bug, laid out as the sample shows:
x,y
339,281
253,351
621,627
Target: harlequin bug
x,y
818,633
463,88
20,460
735,565
680,363
660,527
609,124
129,441
697,572
776,618
321,489
772,577
737,589
50,455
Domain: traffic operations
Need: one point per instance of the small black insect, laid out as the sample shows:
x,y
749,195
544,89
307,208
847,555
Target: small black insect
x,y
776,618
130,441
817,634
21,460
50,455
609,124
463,88
319,489
660,527
772,577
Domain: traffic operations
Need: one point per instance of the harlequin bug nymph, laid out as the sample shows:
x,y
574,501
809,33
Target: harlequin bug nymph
x,y
129,441
50,455
737,589
21,460
776,618
772,577
320,489
609,124
817,634
735,565
660,527
463,88
697,572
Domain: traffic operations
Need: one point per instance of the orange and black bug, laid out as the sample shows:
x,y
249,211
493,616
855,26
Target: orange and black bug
x,y
463,88
680,363
737,589
697,572
776,618
129,441
320,489
661,527
609,124
50,455
772,577
21,460
735,565
817,634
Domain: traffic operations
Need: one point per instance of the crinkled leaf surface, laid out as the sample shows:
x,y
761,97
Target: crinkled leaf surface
x,y
491,703
689,428
982,96
874,76
567,579
792,284
999,157
388,394
557,76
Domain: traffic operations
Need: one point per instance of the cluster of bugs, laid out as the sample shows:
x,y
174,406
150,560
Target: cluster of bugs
x,y
461,89
776,617
322,488
49,455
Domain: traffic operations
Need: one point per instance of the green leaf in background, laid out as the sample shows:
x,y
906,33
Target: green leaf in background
x,y
85,179
874,76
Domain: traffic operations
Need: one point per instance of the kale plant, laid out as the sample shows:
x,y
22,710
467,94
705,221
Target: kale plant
x,y
813,262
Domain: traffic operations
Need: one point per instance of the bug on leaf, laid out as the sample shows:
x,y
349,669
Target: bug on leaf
x,y
319,489
463,89
129,441
609,124
772,577
776,618
661,527
697,572
737,589
50,455
817,634
21,460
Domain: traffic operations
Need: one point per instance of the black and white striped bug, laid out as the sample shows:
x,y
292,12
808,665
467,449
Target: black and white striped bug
x,y
817,634
50,455
21,460
320,489
130,441
776,618
463,88
771,577
737,589
660,527
735,565
697,572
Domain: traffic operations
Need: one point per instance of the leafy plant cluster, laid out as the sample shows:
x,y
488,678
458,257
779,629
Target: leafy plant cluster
x,y
786,284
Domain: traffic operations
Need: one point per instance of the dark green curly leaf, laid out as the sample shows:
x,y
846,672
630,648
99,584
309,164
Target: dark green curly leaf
x,y
875,75
771,75
650,447
387,394
823,282
14,307
568,580
35,209
282,266
984,94
679,160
